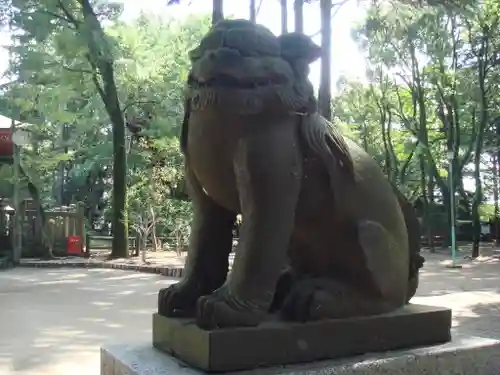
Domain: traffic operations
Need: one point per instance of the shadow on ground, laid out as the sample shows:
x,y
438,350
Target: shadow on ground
x,y
472,292
54,321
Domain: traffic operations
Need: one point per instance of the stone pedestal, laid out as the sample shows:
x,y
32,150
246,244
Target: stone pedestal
x,y
461,356
282,343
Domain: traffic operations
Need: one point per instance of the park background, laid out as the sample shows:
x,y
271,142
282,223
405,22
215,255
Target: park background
x,y
415,85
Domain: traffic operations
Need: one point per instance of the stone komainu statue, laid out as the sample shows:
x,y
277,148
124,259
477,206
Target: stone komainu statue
x,y
324,233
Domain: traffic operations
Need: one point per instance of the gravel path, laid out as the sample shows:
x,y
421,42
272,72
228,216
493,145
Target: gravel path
x,y
473,292
53,321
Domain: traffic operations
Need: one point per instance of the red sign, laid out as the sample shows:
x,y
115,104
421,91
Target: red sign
x,y
6,145
74,245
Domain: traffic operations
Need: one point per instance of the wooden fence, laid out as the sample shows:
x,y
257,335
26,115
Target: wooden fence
x,y
101,243
60,223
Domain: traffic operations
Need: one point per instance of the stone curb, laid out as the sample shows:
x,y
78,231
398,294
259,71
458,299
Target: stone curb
x,y
160,270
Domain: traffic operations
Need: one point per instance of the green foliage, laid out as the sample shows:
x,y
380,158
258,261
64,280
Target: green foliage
x,y
433,89
70,154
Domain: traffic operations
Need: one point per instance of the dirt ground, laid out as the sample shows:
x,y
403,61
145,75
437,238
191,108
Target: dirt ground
x,y
53,321
473,291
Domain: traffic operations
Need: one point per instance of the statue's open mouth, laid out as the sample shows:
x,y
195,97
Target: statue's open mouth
x,y
228,81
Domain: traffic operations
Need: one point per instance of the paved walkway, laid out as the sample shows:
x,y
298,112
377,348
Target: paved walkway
x,y
473,292
53,321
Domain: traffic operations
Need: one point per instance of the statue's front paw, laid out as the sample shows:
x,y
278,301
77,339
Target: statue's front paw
x,y
219,311
178,300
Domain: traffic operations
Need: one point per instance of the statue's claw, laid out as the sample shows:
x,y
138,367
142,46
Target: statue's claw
x,y
178,300
217,311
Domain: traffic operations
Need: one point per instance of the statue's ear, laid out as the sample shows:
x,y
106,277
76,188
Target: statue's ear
x,y
295,46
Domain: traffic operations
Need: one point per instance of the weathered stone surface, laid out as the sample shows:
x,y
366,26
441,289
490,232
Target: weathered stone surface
x,y
281,343
325,233
462,356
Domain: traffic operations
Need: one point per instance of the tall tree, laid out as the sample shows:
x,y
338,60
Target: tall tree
x,y
59,88
298,11
101,60
79,21
284,16
485,47
253,11
325,91
217,11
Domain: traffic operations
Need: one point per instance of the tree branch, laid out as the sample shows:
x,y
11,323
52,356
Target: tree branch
x,y
468,153
77,70
7,84
407,162
95,75
128,105
401,114
258,8
57,16
338,6
68,14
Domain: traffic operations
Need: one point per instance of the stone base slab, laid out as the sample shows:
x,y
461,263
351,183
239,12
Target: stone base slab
x,y
281,343
462,356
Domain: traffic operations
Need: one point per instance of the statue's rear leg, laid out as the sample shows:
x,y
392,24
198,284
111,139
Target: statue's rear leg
x,y
207,260
379,286
413,229
323,298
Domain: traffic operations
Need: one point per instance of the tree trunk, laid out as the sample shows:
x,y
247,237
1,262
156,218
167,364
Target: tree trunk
x,y
325,90
138,242
476,202
425,200
388,169
447,203
17,238
364,136
496,177
217,11
284,16
62,166
419,105
298,11
100,58
496,232
120,222
253,11
482,66
154,239
429,213
144,247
